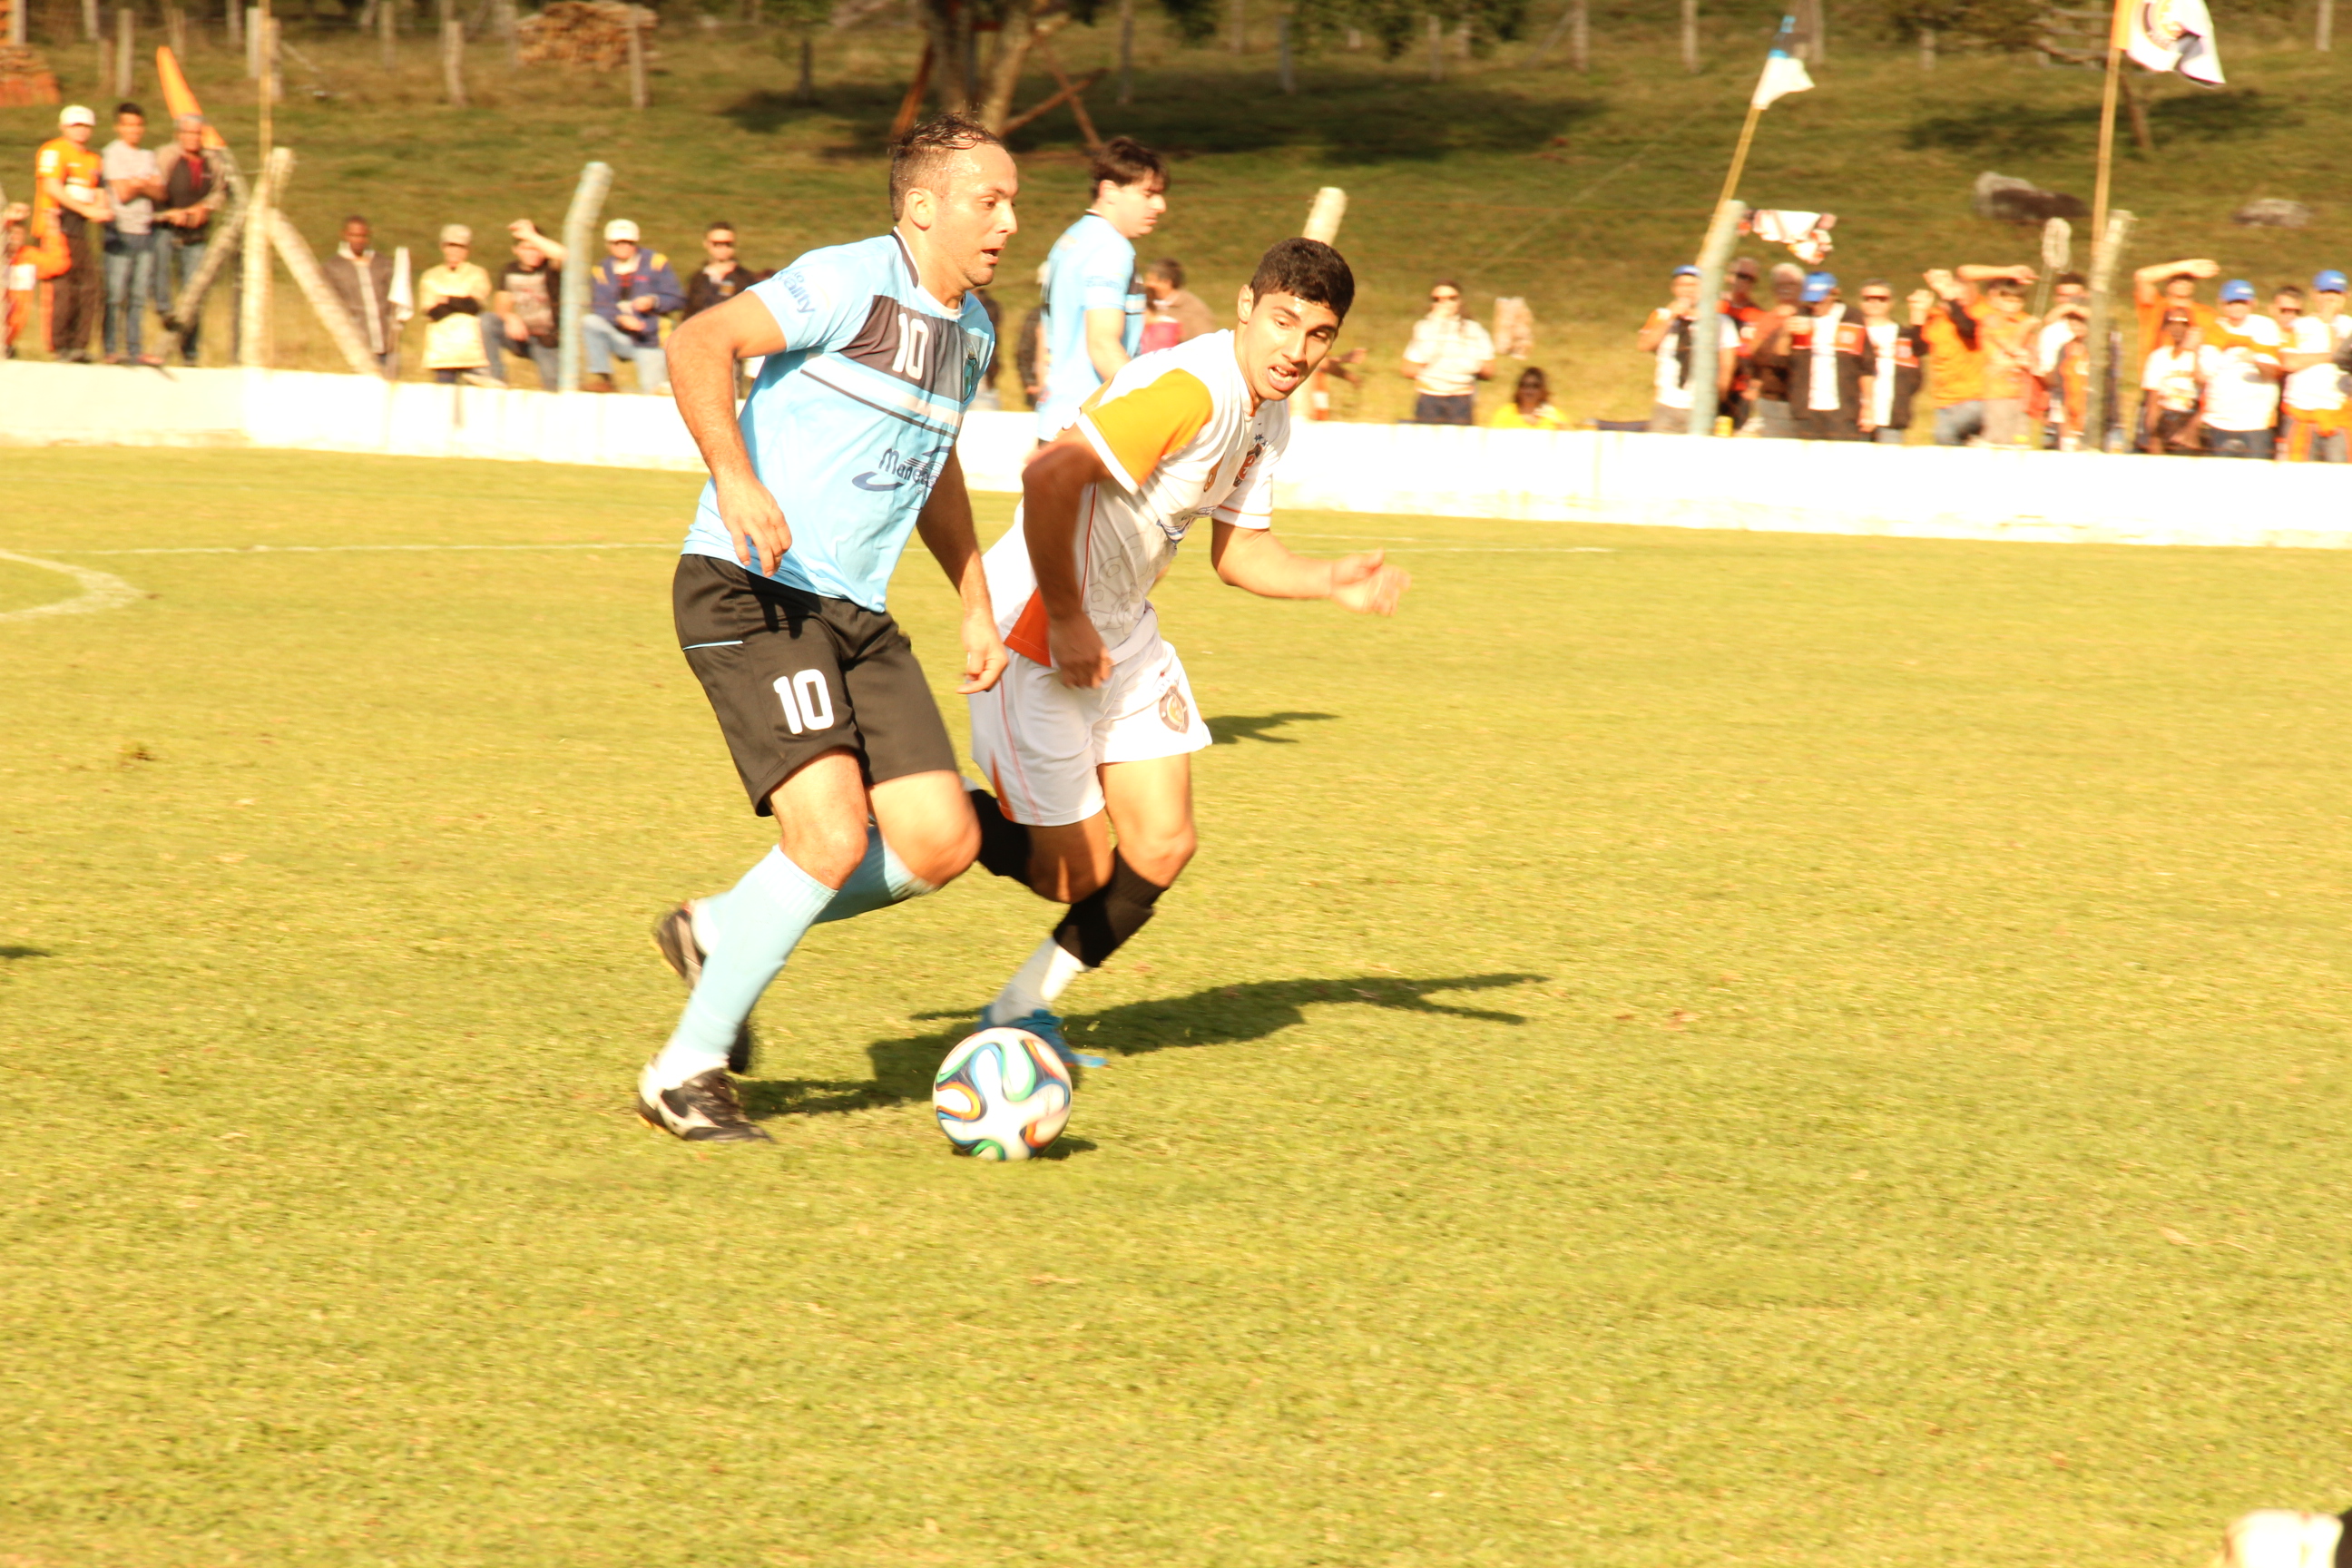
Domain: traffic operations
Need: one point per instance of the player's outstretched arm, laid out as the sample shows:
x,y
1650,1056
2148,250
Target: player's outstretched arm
x,y
948,533
1050,488
1253,558
703,353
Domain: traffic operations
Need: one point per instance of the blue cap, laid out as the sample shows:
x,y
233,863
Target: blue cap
x,y
2235,289
2328,282
1686,272
1818,285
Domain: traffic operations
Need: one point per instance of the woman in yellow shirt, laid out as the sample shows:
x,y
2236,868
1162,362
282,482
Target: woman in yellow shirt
x,y
1530,407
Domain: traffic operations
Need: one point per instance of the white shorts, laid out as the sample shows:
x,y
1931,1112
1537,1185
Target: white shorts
x,y
1039,742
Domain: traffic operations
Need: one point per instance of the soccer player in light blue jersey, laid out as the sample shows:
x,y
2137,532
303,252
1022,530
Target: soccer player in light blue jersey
x,y
1093,300
846,445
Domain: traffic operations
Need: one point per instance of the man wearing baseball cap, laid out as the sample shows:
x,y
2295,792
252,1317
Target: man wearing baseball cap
x,y
2317,422
629,292
2241,367
1827,353
69,203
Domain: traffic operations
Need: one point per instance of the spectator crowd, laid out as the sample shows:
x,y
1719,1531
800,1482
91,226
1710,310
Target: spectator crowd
x,y
118,232
2222,380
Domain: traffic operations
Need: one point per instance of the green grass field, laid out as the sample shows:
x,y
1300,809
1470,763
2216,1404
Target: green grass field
x,y
1578,193
1681,1047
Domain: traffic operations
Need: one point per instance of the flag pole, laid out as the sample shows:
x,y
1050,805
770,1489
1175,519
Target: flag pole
x,y
1739,156
2108,121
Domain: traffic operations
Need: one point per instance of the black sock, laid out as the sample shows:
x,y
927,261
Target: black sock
x,y
1004,843
1100,924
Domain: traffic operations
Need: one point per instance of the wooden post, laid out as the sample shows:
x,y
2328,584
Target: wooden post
x,y
1579,35
105,47
2323,32
1436,48
453,61
1241,27
1707,321
1127,51
2107,249
233,15
1927,49
510,31
636,63
90,29
273,73
189,308
125,41
1324,216
1690,36
253,40
16,20
1739,153
1282,37
252,309
579,233
387,25
296,253
2107,125
175,32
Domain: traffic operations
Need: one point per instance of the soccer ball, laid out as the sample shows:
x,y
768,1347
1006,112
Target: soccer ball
x,y
1001,1094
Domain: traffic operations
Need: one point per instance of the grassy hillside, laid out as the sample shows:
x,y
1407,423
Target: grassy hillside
x,y
1576,192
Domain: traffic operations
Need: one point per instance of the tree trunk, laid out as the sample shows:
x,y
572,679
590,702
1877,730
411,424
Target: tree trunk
x,y
1022,33
946,59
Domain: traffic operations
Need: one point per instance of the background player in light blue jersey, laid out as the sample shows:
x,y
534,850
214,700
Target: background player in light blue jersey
x,y
1093,300
845,445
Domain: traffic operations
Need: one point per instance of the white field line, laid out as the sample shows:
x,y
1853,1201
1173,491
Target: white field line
x,y
99,590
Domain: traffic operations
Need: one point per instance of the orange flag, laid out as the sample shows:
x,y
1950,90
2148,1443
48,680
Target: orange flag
x,y
179,98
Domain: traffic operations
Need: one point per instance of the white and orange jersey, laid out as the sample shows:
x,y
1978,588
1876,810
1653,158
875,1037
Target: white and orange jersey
x,y
1183,439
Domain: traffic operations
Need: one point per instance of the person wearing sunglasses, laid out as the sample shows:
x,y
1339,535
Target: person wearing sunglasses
x,y
722,275
1447,357
1892,358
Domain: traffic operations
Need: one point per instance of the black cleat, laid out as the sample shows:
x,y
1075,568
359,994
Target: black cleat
x,y
673,939
702,1110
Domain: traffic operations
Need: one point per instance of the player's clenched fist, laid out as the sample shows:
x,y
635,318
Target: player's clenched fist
x,y
1363,583
756,523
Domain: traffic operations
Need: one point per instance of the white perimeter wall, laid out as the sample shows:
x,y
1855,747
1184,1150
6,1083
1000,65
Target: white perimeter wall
x,y
1565,476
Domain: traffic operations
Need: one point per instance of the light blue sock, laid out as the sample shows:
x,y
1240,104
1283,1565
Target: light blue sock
x,y
880,881
768,913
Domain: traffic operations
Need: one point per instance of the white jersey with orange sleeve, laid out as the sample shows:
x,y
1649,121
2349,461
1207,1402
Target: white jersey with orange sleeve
x,y
1183,439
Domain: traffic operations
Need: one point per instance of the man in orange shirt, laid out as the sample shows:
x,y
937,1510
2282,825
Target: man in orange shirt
x,y
69,203
1956,349
2166,287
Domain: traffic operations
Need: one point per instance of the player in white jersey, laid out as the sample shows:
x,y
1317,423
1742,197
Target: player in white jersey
x,y
1090,733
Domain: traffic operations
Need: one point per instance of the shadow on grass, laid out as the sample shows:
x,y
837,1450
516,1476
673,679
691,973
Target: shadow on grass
x,y
1350,115
1236,728
11,953
1221,1015
2017,131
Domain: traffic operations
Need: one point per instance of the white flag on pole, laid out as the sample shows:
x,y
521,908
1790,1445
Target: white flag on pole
x,y
2172,35
1784,73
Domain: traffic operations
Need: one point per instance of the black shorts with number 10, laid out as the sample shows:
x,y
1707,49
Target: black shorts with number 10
x,y
792,676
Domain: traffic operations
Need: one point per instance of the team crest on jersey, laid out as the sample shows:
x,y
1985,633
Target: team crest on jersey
x,y
1174,711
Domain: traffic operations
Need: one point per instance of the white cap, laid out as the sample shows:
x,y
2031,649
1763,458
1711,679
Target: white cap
x,y
76,115
621,228
456,234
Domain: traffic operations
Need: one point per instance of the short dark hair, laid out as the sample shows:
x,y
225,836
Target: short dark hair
x,y
716,225
1447,283
1543,382
2285,289
356,219
2002,288
1124,161
126,107
1308,269
920,154
2076,279
1170,268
